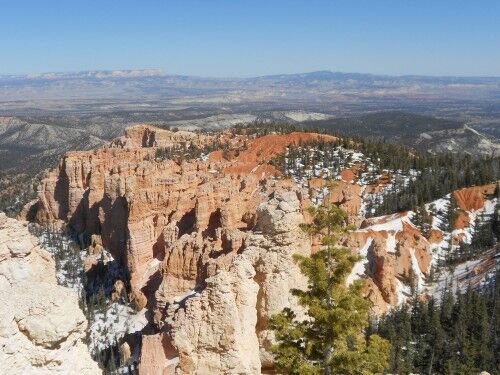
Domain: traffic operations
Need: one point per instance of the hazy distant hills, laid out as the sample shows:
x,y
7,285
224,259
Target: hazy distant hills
x,y
34,146
48,114
324,85
372,79
424,132
35,143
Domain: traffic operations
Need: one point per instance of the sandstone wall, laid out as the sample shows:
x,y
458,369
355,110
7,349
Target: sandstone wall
x,y
223,328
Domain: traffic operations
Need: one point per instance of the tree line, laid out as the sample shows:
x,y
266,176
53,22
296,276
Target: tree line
x,y
453,334
430,176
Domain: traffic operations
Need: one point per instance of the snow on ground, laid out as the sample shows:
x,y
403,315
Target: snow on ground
x,y
489,206
337,159
419,276
403,291
391,243
110,322
439,250
300,116
183,297
151,268
331,162
359,268
357,156
320,196
464,275
393,224
108,327
438,209
461,276
67,255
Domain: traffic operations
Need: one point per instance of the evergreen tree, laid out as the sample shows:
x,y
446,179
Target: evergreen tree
x,y
422,220
484,232
453,335
332,340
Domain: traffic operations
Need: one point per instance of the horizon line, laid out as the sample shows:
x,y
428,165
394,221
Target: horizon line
x,y
161,73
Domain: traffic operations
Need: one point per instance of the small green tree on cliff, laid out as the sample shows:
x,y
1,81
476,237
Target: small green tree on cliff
x,y
332,339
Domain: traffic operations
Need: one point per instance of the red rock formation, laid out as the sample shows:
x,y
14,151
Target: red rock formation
x,y
166,221
347,175
462,219
435,236
194,228
345,195
473,198
398,251
411,239
157,356
379,185
145,210
372,292
264,148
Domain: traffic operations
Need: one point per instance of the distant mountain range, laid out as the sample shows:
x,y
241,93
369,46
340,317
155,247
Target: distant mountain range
x,y
321,85
323,75
89,74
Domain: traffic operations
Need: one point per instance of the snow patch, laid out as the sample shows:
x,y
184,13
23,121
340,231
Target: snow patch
x,y
402,292
108,327
391,244
394,224
419,276
359,268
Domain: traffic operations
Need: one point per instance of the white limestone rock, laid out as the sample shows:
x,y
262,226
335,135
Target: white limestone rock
x,y
41,326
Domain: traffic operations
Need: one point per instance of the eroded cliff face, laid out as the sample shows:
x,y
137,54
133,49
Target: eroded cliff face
x,y
42,329
148,212
208,240
400,255
223,328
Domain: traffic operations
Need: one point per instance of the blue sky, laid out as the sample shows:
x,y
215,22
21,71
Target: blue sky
x,y
245,38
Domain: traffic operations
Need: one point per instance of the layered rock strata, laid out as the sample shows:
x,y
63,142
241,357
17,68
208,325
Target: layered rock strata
x,y
148,212
208,241
223,328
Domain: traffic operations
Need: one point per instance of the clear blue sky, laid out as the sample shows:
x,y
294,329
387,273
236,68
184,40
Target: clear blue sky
x,y
244,38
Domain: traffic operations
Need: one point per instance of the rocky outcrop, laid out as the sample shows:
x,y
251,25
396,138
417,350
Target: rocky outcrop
x,y
378,263
347,196
20,257
147,210
469,200
395,252
180,227
223,327
143,136
208,240
42,328
473,198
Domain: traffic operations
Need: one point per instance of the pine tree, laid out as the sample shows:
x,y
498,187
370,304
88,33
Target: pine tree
x,y
484,235
422,220
453,335
496,220
332,340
